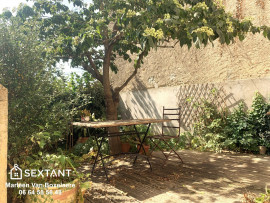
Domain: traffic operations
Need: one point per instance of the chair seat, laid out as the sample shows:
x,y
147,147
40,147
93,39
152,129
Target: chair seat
x,y
162,137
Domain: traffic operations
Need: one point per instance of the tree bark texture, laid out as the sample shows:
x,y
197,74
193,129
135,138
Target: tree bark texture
x,y
111,102
111,112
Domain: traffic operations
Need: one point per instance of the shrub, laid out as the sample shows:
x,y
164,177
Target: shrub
x,y
208,131
242,130
240,134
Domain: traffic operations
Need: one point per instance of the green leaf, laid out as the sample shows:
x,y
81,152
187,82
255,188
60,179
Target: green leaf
x,y
42,143
268,34
150,40
62,160
41,127
241,37
221,36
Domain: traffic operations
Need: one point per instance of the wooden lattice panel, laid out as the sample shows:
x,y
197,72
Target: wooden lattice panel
x,y
191,97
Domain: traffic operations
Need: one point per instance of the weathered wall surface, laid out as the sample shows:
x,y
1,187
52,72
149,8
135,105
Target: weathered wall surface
x,y
148,103
3,142
221,63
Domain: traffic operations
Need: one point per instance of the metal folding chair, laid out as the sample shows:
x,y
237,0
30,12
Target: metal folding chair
x,y
173,114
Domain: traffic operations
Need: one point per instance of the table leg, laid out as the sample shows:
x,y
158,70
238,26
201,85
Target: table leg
x,y
141,144
101,157
103,164
99,146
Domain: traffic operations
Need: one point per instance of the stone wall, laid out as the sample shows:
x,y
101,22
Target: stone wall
x,y
3,142
148,103
242,68
221,63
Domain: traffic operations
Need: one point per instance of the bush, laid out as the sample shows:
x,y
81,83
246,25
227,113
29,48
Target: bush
x,y
209,130
83,148
242,130
42,101
240,134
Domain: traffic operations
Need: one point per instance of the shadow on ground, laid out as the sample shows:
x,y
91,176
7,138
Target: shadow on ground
x,y
204,177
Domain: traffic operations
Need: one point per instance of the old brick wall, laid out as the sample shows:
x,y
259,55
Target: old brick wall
x,y
3,142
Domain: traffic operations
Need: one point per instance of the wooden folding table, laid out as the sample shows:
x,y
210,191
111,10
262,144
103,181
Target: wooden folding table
x,y
118,123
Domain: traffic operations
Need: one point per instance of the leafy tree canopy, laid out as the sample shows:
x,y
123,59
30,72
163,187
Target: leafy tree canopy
x,y
89,33
141,23
94,35
41,100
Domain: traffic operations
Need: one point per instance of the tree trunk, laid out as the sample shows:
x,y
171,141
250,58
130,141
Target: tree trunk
x,y
111,113
111,102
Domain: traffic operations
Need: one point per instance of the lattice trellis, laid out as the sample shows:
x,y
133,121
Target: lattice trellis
x,y
191,97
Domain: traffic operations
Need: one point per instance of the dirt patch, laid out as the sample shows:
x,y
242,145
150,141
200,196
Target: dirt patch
x,y
204,177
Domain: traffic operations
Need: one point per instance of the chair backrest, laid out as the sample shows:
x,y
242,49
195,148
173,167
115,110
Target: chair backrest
x,y
173,114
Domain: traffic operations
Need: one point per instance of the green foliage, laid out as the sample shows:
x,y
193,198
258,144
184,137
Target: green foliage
x,y
32,85
41,101
248,129
260,121
134,19
93,36
208,131
132,27
86,85
242,130
81,149
261,198
84,148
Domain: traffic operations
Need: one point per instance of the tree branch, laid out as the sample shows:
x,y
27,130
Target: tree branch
x,y
116,38
98,58
94,67
91,69
63,57
118,89
166,46
98,76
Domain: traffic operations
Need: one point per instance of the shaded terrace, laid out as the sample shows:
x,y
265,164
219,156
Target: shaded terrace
x,y
204,177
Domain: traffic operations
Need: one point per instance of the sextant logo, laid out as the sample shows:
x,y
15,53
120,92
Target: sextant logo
x,y
16,173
